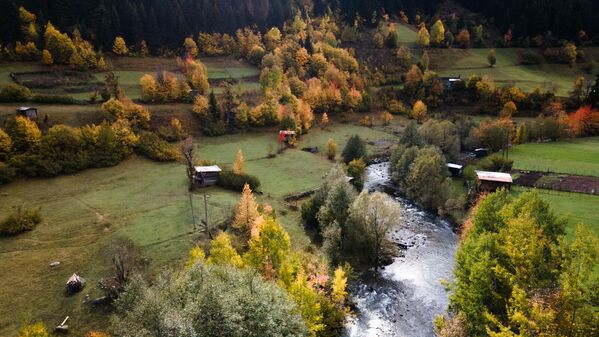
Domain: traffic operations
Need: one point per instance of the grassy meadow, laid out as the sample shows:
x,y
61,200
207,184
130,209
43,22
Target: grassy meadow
x,y
508,70
131,69
579,156
88,214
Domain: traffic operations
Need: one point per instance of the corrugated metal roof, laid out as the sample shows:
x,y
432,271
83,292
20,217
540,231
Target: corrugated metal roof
x,y
494,176
208,169
455,166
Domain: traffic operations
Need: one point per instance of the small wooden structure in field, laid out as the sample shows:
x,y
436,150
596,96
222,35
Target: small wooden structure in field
x,y
456,170
481,152
449,82
75,284
206,175
287,137
28,112
492,181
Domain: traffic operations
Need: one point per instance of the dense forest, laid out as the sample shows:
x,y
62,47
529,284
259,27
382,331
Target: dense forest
x,y
137,20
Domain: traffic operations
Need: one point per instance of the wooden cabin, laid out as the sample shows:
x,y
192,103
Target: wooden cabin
x,y
206,175
492,181
456,170
449,82
481,152
28,112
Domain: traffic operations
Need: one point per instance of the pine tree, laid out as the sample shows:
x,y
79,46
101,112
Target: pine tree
x,y
339,286
239,164
247,210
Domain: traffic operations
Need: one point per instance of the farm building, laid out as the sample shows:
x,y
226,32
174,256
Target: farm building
x,y
492,181
449,82
481,152
207,175
28,112
455,169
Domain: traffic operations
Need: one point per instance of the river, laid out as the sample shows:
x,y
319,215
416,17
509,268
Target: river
x,y
403,300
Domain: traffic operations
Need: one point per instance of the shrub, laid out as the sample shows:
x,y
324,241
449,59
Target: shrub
x,y
20,220
14,93
55,99
235,182
155,148
7,173
529,57
497,163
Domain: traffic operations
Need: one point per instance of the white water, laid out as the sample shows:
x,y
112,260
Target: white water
x,y
407,295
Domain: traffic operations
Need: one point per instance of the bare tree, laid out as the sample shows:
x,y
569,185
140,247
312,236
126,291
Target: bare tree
x,y
186,149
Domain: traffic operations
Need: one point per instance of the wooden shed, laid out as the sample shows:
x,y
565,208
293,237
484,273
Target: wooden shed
x,y
28,112
481,152
492,181
207,175
456,170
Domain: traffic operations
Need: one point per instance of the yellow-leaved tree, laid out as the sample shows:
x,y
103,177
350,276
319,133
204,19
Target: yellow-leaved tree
x,y
419,110
247,210
119,47
339,286
239,164
47,58
223,253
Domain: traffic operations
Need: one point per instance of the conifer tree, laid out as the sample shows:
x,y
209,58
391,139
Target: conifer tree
x,y
239,163
423,39
47,57
324,121
247,210
437,33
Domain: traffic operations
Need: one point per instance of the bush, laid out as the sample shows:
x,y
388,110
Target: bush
x,y
529,57
14,93
7,173
20,220
155,148
497,163
53,99
235,182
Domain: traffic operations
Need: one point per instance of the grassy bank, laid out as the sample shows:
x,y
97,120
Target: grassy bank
x,y
86,214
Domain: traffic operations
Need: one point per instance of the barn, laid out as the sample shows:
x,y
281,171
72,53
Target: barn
x,y
28,112
492,181
206,175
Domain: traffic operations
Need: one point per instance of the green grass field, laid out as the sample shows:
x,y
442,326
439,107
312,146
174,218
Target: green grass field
x,y
580,156
508,70
131,69
577,208
142,201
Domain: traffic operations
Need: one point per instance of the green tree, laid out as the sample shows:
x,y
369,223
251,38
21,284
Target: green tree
x,y
354,149
426,180
372,217
357,169
212,301
492,58
443,134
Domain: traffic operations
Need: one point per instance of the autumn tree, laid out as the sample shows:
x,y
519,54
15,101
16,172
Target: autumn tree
x,y
324,121
239,163
509,109
24,133
437,34
463,38
404,56
247,210
331,149
119,47
5,145
222,252
59,45
34,330
423,39
419,110
190,46
47,57
29,27
426,178
387,118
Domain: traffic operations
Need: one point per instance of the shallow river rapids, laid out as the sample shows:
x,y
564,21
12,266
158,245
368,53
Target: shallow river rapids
x,y
407,295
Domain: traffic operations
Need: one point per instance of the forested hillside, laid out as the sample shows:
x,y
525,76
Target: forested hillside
x,y
137,20
160,23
